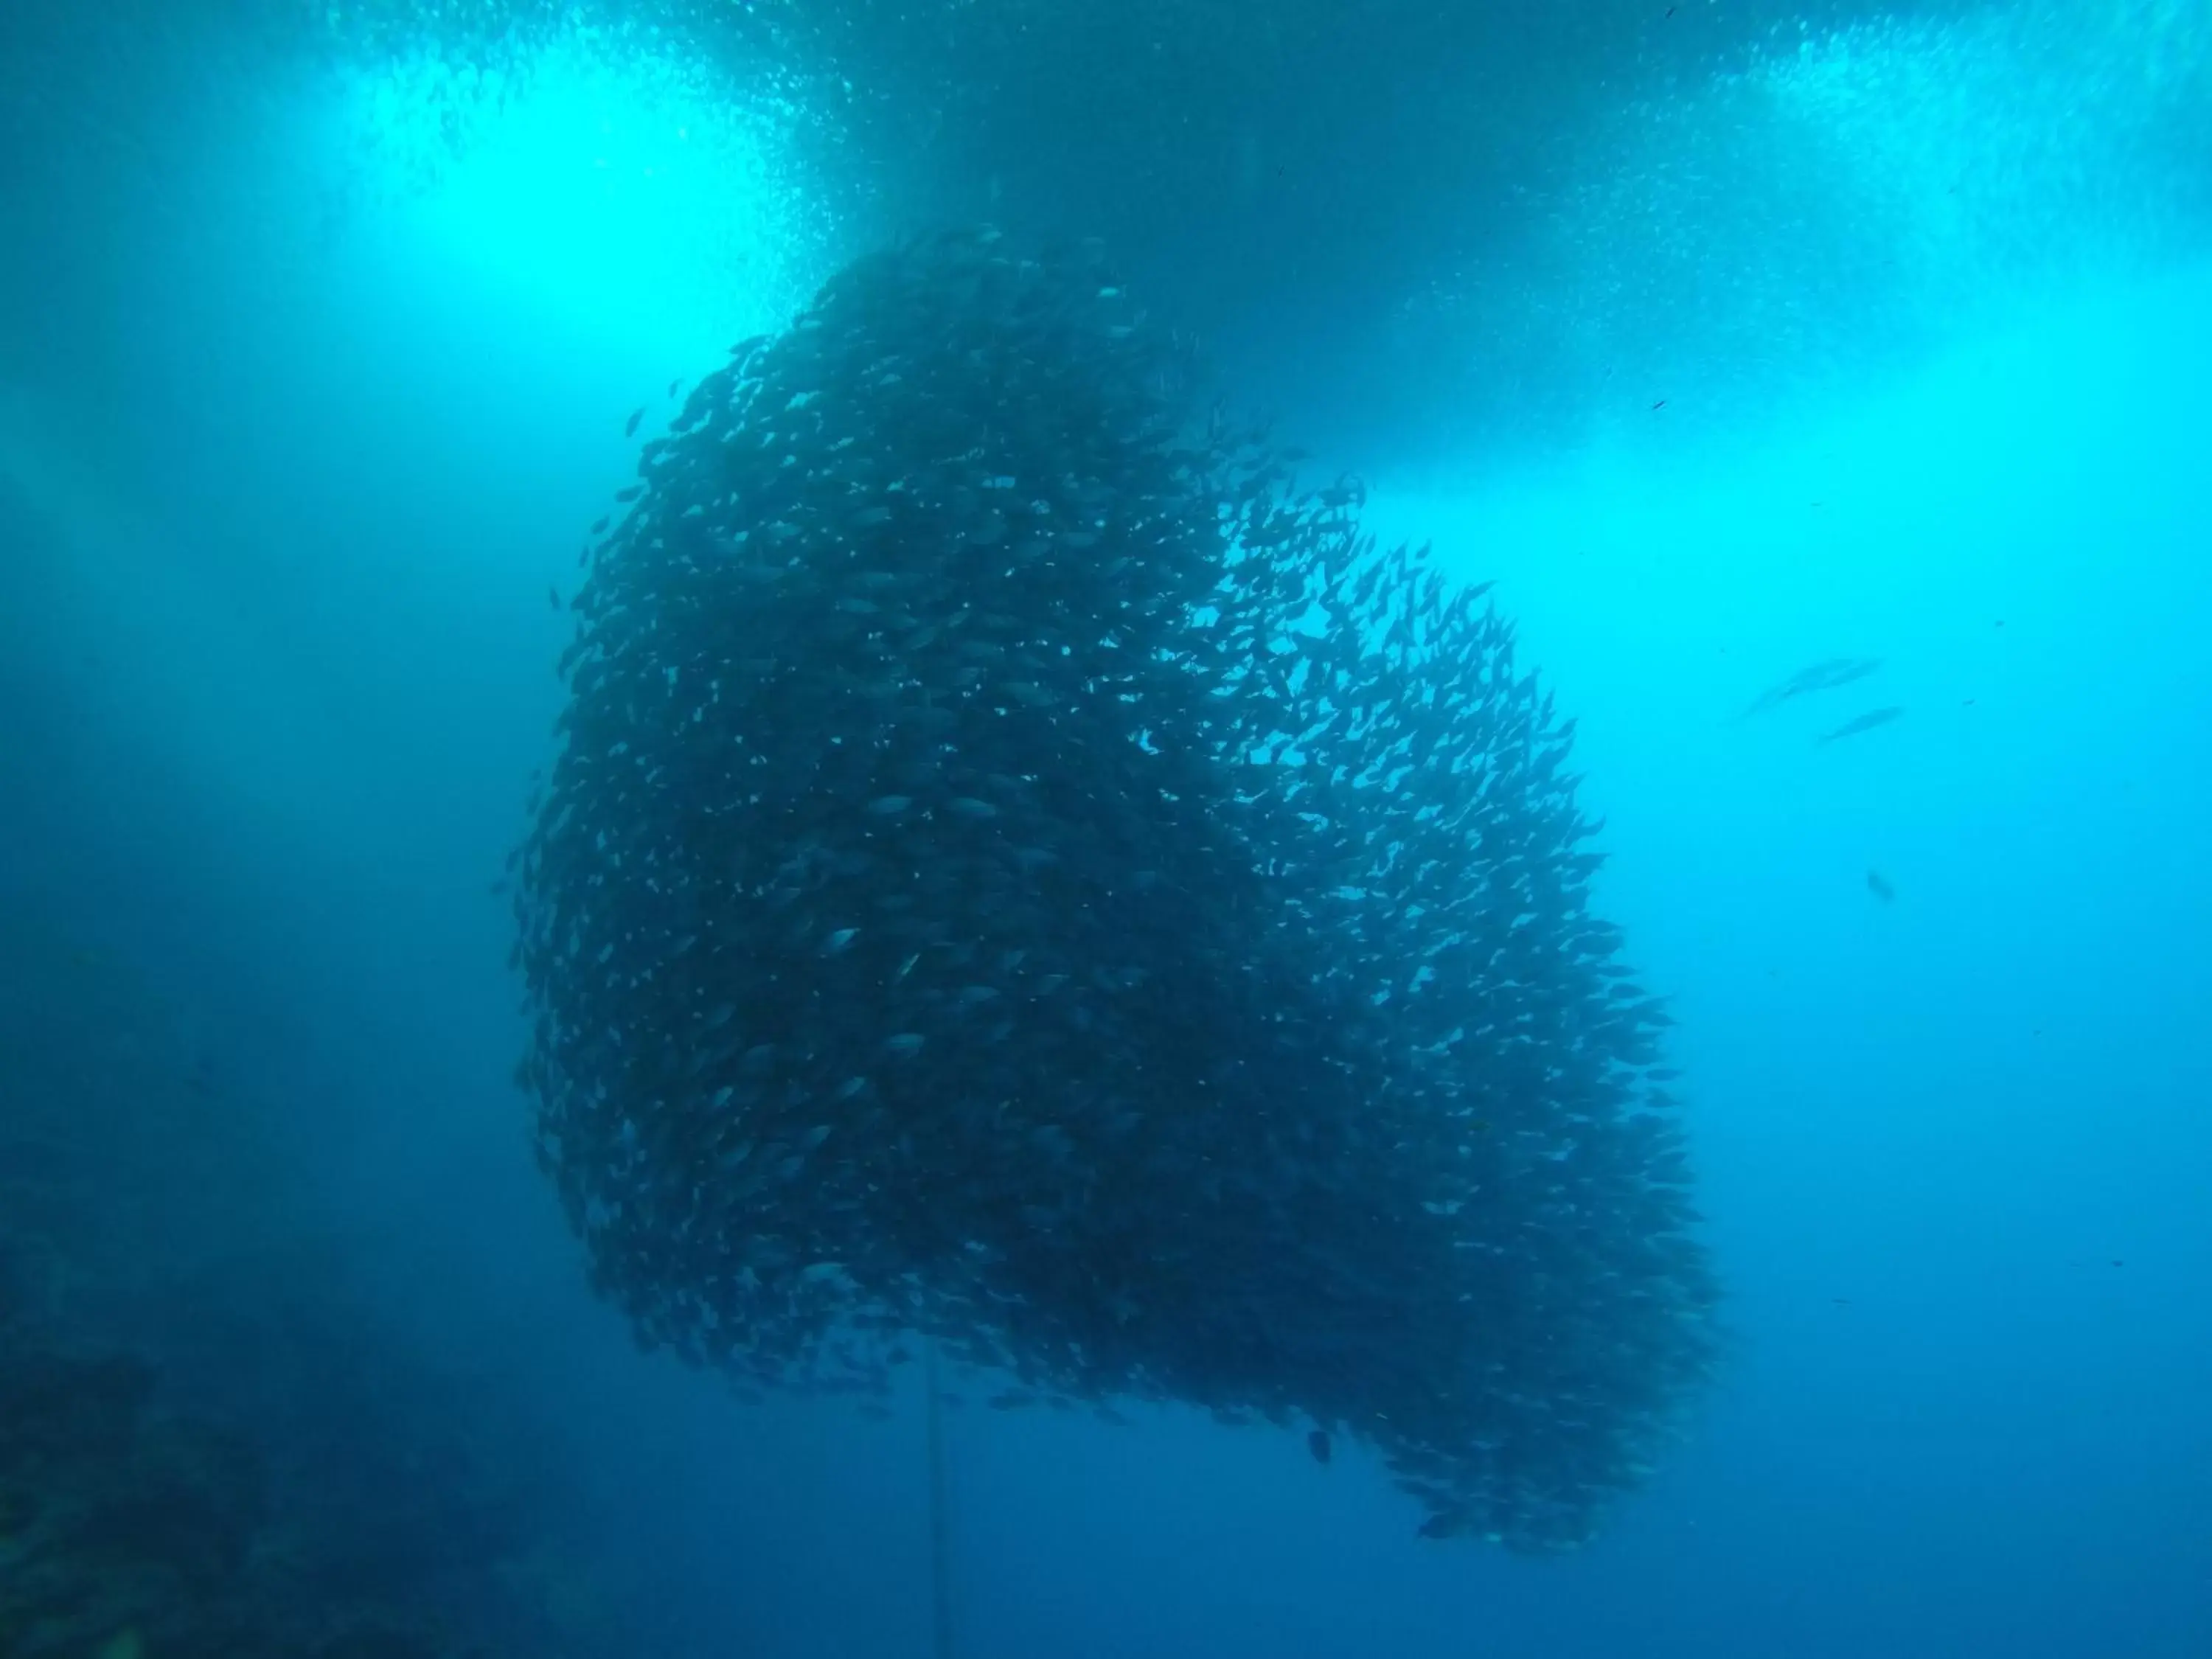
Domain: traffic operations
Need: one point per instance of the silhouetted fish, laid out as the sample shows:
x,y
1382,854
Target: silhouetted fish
x,y
1821,676
1866,722
926,932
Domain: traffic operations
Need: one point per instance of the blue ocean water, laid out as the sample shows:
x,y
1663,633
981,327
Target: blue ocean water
x,y
1858,335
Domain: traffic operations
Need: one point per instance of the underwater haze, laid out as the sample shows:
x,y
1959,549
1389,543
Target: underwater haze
x,y
1819,389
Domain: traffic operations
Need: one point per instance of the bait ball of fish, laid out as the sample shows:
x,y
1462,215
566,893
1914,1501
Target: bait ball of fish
x,y
1017,872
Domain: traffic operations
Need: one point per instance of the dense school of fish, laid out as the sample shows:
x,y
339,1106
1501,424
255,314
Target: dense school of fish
x,y
1017,875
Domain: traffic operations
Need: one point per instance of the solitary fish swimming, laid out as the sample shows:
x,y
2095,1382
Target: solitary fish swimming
x,y
1821,676
1866,722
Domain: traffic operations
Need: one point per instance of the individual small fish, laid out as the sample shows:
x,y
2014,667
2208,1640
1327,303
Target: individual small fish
x,y
629,428
553,595
1878,885
1317,1444
1866,722
1821,676
673,384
